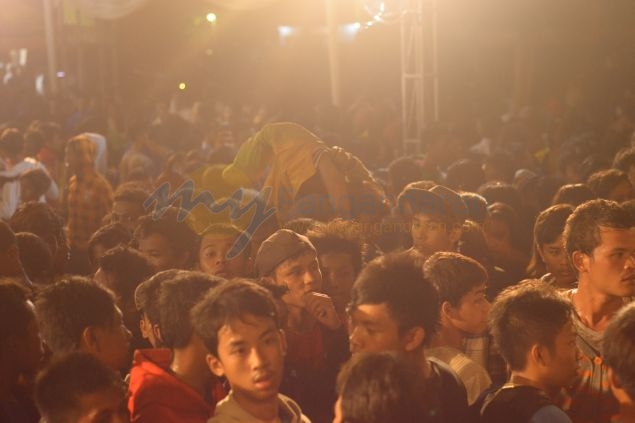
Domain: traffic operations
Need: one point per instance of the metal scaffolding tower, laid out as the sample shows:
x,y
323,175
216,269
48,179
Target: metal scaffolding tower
x,y
419,70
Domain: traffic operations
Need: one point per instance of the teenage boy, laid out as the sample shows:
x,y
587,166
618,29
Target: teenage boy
x,y
394,308
600,242
531,324
78,387
618,345
166,242
76,314
239,325
460,282
315,334
362,385
218,256
146,298
339,251
435,216
173,384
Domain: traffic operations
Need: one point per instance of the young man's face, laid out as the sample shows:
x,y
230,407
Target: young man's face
x,y
212,257
104,406
373,329
251,356
113,343
610,268
339,275
430,235
157,249
557,262
301,275
470,317
562,360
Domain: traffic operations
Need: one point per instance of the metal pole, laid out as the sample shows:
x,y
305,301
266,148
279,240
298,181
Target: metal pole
x,y
334,63
50,46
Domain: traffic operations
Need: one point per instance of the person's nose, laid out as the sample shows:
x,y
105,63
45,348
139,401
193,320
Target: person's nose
x,y
257,359
354,340
630,262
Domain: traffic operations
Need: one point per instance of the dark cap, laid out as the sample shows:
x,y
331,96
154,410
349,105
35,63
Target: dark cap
x,y
280,246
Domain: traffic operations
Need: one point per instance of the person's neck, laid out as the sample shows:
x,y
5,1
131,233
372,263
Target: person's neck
x,y
420,356
189,367
528,378
594,308
264,410
448,336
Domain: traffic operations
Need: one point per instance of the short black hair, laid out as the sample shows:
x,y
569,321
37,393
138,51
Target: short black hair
x,y
14,312
382,387
454,275
131,192
68,307
338,236
39,219
582,230
35,255
524,315
179,234
618,348
146,295
548,227
129,268
176,299
604,181
574,194
11,141
397,280
230,301
624,159
226,229
109,236
7,237
61,386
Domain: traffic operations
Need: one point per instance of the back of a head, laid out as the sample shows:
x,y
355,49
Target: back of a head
x,y
454,275
618,349
498,192
465,174
524,315
127,268
7,237
582,230
62,385
397,280
177,297
11,141
403,171
604,181
35,256
109,236
231,301
380,388
39,219
146,295
573,194
14,311
68,307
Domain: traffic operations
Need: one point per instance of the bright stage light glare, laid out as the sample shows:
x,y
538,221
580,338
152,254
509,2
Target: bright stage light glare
x,y
182,86
211,17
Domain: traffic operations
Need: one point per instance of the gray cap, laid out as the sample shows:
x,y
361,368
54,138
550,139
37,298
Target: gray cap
x,y
280,246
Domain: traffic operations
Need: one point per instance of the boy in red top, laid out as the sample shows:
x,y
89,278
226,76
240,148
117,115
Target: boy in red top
x,y
173,384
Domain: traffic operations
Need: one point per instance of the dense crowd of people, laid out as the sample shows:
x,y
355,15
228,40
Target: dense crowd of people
x,y
234,265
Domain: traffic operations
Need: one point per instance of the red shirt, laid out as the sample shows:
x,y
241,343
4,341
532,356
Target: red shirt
x,y
156,395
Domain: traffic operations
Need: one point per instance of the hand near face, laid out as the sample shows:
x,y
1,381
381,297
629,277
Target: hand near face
x,y
321,307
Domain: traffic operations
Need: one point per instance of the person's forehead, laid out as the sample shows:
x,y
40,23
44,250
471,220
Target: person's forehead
x,y
377,313
218,240
94,405
155,240
337,258
246,326
612,236
304,258
426,217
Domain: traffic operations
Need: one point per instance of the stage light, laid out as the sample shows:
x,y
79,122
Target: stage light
x,y
285,31
182,86
211,17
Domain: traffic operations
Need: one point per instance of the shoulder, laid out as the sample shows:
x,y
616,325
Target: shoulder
x,y
550,414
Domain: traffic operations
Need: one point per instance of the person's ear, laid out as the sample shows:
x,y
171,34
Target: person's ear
x,y
537,354
156,330
89,340
215,365
580,261
414,338
447,310
455,234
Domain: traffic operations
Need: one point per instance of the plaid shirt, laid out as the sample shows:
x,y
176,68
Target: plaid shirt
x,y
89,199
